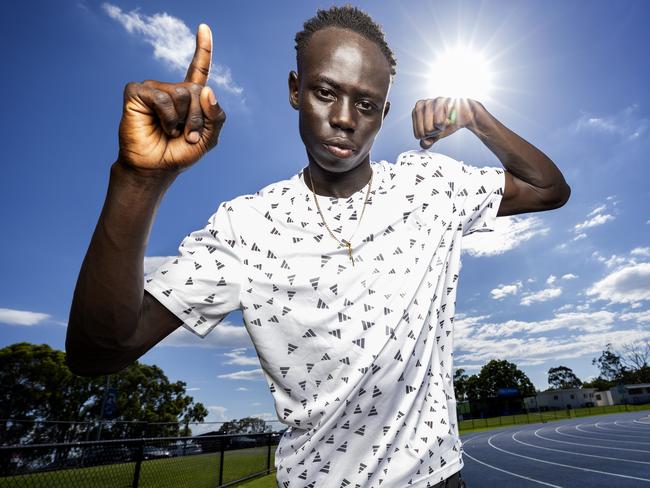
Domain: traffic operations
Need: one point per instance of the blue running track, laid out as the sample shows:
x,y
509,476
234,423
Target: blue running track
x,y
607,450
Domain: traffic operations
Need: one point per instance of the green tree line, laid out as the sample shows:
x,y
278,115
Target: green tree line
x,y
37,385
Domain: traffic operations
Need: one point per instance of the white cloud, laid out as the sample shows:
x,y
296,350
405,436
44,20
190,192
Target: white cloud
x,y
223,335
509,233
643,317
569,276
541,296
21,317
242,388
217,412
152,263
248,375
265,416
597,210
599,219
640,251
627,124
503,291
237,356
551,279
173,42
626,285
614,261
582,235
576,335
192,389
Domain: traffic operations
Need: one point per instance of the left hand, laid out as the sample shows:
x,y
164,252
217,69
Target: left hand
x,y
436,118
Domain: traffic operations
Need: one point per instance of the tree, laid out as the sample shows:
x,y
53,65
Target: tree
x,y
610,365
460,384
483,389
631,367
563,377
498,374
247,425
36,385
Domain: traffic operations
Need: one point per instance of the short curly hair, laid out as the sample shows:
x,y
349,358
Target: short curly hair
x,y
346,17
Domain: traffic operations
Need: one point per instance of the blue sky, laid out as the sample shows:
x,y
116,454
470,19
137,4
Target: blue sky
x,y
547,289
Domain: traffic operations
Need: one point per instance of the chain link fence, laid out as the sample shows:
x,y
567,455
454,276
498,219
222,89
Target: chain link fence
x,y
160,462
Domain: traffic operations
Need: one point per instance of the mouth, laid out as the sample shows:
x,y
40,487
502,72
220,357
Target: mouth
x,y
340,148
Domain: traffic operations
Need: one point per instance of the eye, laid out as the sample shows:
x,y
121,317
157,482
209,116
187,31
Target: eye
x,y
365,106
324,93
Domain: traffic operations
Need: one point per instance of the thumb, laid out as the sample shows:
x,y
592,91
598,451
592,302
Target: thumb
x,y
427,142
214,115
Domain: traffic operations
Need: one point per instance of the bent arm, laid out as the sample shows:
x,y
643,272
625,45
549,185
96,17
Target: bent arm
x,y
533,182
113,321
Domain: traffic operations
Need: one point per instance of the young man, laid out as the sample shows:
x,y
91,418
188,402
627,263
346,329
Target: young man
x,y
346,273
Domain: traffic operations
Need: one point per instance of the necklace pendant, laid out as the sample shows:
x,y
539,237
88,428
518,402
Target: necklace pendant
x,y
349,246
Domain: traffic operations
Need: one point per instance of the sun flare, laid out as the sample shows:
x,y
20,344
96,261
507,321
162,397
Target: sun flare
x,y
461,72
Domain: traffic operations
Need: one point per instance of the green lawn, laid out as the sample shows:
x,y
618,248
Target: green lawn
x,y
197,471
466,426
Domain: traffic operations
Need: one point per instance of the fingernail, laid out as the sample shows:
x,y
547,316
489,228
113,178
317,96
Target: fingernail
x,y
211,98
193,136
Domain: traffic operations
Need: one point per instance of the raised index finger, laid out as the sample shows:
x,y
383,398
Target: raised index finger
x,y
199,68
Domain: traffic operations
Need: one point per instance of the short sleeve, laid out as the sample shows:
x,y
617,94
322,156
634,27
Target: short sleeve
x,y
202,284
479,194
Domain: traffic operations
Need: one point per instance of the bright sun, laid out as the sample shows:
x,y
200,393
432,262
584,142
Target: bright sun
x,y
461,72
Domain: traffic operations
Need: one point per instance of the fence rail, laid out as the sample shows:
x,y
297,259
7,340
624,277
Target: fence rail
x,y
546,416
160,462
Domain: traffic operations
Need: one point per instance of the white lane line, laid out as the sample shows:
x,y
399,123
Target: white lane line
x,y
514,438
587,445
579,468
599,438
629,433
632,424
510,472
612,432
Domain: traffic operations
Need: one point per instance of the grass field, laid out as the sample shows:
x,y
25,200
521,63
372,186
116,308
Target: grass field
x,y
200,470
467,426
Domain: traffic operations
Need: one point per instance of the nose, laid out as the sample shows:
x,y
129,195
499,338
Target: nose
x,y
343,116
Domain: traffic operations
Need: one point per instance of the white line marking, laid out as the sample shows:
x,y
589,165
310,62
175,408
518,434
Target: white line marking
x,y
511,473
630,424
629,433
576,453
565,465
587,445
598,438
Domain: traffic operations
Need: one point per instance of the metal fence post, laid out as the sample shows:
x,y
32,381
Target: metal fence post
x,y
138,464
221,456
268,455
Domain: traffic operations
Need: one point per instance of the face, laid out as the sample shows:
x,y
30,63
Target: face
x,y
340,93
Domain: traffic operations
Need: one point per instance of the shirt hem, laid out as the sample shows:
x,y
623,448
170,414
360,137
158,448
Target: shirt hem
x,y
178,308
449,470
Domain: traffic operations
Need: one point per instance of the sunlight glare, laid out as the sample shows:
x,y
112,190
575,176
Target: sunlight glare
x,y
461,72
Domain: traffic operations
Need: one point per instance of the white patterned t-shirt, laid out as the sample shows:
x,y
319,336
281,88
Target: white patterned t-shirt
x,y
357,356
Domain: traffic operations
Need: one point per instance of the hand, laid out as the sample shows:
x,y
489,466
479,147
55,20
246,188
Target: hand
x,y
440,117
170,126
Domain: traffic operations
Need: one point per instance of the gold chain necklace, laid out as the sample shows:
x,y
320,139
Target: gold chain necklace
x,y
342,242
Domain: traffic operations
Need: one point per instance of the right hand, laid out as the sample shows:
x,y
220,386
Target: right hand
x,y
170,126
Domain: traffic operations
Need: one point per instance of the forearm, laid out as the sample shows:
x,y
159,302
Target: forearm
x,y
108,297
518,156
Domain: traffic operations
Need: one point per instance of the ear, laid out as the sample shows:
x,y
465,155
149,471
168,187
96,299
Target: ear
x,y
294,84
386,109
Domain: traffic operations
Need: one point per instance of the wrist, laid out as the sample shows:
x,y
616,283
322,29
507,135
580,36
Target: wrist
x,y
479,118
143,179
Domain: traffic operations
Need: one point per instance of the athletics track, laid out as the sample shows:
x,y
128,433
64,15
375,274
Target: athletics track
x,y
602,451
